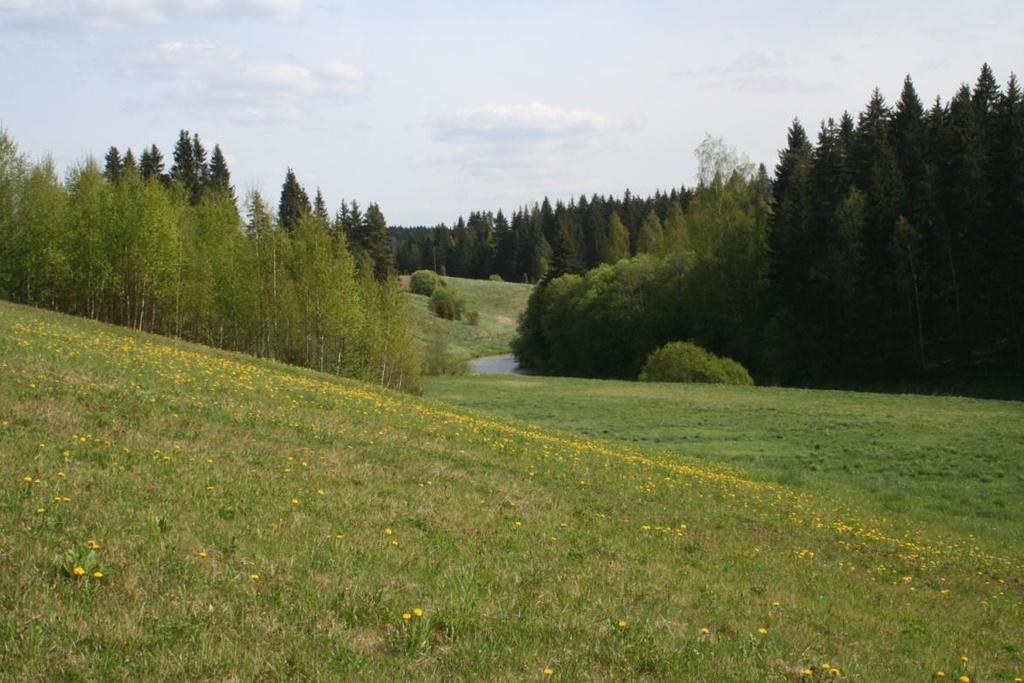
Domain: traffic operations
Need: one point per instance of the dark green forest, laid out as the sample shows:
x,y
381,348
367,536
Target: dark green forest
x,y
170,252
888,247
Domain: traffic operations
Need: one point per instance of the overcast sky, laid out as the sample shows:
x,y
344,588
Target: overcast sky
x,y
433,109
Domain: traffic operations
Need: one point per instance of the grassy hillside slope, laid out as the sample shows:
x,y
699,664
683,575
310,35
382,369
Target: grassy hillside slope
x,y
499,305
953,462
253,521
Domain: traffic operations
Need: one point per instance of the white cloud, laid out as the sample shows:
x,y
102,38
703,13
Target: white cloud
x,y
520,122
521,143
67,14
220,81
766,71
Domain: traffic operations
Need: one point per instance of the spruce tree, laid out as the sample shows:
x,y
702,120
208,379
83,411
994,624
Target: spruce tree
x,y
615,245
128,164
220,176
676,239
378,242
320,209
112,165
294,202
151,163
200,169
651,235
183,171
565,254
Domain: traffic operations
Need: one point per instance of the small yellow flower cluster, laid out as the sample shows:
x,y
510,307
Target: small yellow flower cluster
x,y
415,614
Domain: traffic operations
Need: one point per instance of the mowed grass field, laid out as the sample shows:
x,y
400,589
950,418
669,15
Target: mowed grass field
x,y
499,305
253,521
955,463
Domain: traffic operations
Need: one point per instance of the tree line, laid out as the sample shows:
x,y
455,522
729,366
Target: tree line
x,y
543,239
170,252
890,247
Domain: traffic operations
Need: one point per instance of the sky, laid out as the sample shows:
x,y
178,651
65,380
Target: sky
x,y
436,109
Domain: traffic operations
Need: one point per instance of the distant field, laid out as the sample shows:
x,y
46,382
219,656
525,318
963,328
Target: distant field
x,y
254,521
499,305
953,462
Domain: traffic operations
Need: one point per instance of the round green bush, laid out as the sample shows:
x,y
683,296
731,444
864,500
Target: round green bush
x,y
686,362
447,303
424,282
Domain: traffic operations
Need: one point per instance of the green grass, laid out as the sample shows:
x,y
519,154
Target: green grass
x,y
954,462
499,305
524,546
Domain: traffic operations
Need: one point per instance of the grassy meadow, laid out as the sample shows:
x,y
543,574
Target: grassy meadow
x,y
956,463
499,305
175,513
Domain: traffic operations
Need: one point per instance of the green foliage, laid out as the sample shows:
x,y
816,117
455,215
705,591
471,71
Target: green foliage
x,y
615,241
80,565
710,286
176,258
494,277
652,236
438,358
604,323
388,356
424,282
687,362
447,303
294,202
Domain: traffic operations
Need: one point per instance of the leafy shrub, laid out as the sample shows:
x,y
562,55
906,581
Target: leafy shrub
x,y
604,323
495,278
437,357
447,303
686,362
425,282
473,318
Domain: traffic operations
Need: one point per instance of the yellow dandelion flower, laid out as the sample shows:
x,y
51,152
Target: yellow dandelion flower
x,y
93,544
940,674
388,531
295,501
254,577
97,575
201,553
964,659
705,631
807,672
549,671
763,631
418,612
78,570
834,672
27,479
406,616
964,679
622,623
40,511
